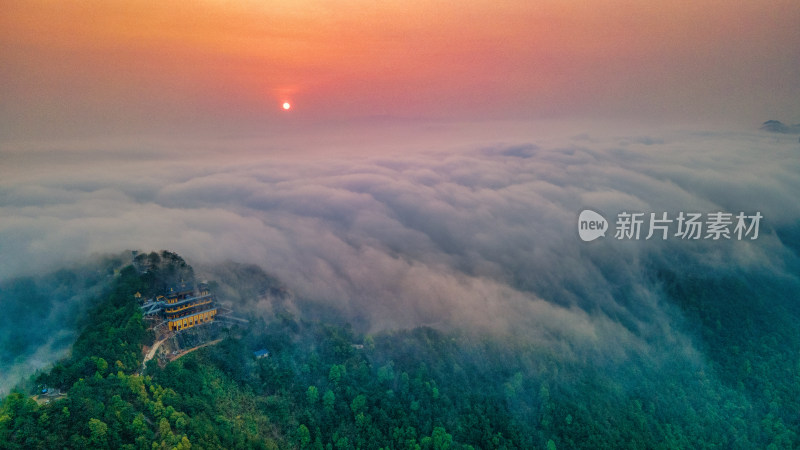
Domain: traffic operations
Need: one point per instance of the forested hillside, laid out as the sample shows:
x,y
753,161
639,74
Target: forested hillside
x,y
41,313
327,386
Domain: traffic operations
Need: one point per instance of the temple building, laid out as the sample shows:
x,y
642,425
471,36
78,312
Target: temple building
x,y
185,308
181,306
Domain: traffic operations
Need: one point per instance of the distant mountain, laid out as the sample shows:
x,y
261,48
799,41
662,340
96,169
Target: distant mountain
x,y
776,126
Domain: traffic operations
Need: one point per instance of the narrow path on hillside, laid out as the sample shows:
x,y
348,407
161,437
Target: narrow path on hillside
x,y
150,354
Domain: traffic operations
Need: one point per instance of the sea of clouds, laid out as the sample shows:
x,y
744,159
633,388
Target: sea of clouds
x,y
482,237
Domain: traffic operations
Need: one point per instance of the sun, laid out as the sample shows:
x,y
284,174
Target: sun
x,y
287,106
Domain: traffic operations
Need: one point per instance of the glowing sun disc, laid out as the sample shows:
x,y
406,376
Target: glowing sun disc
x,y
287,106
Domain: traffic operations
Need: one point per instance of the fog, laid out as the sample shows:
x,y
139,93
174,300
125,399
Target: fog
x,y
479,234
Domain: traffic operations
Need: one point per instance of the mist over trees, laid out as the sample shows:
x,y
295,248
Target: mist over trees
x,y
41,312
327,385
417,301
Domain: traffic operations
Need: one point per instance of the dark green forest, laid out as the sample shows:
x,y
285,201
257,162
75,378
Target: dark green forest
x,y
327,386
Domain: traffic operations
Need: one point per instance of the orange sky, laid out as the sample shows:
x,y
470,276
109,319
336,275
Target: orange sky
x,y
128,67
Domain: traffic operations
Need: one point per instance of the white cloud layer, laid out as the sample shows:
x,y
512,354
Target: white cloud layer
x,y
483,238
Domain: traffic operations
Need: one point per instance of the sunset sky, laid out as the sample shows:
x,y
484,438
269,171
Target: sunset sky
x,y
127,68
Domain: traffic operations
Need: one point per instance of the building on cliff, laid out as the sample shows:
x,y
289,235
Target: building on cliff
x,y
184,307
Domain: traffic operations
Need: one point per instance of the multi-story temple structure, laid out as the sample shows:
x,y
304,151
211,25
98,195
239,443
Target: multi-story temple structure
x,y
183,307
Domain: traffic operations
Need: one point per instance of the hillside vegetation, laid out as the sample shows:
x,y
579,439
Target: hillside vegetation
x,y
326,386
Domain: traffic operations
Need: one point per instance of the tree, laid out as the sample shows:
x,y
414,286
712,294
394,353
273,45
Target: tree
x,y
164,430
303,436
359,404
441,439
386,373
312,395
336,373
328,400
342,443
98,433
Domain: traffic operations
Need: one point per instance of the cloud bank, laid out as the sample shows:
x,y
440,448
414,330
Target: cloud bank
x,y
483,238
